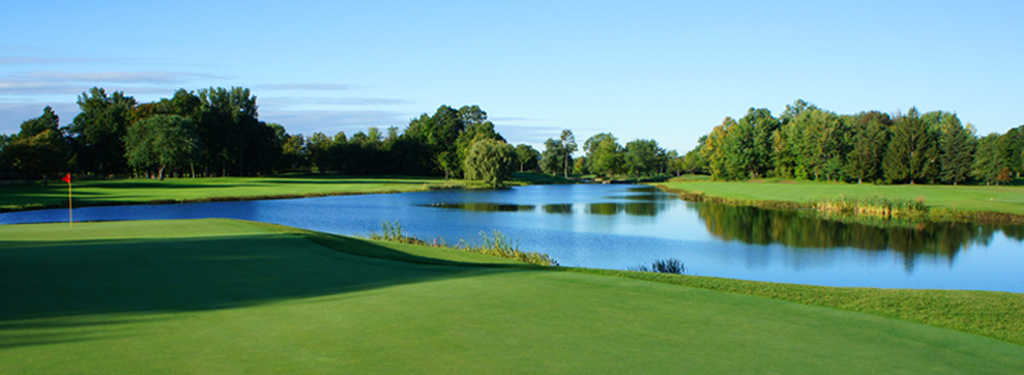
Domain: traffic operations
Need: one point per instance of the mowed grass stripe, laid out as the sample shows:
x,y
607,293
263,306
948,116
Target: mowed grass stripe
x,y
265,301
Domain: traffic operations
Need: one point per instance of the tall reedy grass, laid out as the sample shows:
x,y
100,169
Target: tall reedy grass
x,y
670,265
875,206
499,245
494,244
393,232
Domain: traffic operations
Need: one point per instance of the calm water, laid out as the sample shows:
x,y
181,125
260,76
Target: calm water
x,y
617,226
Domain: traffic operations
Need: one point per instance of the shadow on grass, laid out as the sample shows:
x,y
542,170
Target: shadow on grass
x,y
78,290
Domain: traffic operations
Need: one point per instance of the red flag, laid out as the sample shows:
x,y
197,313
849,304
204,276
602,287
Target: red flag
x,y
67,178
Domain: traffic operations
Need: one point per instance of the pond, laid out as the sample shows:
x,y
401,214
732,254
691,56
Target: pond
x,y
622,226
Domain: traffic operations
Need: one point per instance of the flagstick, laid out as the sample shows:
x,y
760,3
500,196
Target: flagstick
x,y
71,221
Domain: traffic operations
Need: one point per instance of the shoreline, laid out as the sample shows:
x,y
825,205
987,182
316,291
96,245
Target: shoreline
x,y
932,213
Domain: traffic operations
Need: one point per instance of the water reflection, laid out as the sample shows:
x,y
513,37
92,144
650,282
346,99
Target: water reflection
x,y
484,207
803,231
605,208
557,208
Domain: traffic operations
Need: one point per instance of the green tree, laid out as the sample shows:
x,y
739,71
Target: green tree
x,y
913,152
956,151
489,160
714,149
763,126
228,122
440,132
988,160
41,148
739,151
294,154
823,144
527,158
869,139
99,130
643,157
1011,145
318,147
551,160
569,147
603,154
675,163
693,162
161,141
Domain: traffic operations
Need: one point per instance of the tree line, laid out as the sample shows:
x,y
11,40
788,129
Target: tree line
x,y
217,132
807,142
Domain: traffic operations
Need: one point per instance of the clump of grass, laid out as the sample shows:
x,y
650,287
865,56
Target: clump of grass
x,y
497,244
393,232
875,206
670,265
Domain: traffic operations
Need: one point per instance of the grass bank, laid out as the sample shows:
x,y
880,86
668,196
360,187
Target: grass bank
x,y
224,296
186,190
988,204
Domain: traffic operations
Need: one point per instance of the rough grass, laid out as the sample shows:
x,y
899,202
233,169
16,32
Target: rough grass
x,y
224,296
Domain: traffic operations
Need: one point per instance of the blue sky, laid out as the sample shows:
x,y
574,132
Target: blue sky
x,y
668,71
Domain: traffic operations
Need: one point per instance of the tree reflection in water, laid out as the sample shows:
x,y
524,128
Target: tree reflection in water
x,y
805,231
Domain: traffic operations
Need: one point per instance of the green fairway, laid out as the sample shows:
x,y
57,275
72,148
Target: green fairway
x,y
1006,199
93,193
222,296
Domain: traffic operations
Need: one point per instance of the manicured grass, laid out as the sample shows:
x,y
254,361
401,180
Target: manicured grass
x,y
222,296
1005,199
177,190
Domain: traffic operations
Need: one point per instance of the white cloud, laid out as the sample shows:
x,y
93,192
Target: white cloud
x,y
116,77
309,86
306,101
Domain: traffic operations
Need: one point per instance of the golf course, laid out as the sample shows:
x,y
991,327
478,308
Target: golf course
x,y
223,296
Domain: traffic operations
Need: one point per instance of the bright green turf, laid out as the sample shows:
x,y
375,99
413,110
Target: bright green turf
x,y
222,297
200,189
1008,199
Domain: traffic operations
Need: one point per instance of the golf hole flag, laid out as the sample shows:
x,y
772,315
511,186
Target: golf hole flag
x,y
67,178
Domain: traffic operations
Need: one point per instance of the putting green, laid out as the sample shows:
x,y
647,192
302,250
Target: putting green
x,y
220,296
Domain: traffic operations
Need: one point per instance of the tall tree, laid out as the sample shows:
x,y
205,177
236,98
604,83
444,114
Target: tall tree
x,y
41,148
643,157
988,160
228,121
739,152
99,131
870,135
1011,145
318,146
823,144
603,154
956,150
551,160
763,126
913,152
527,157
569,147
162,141
714,150
489,160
